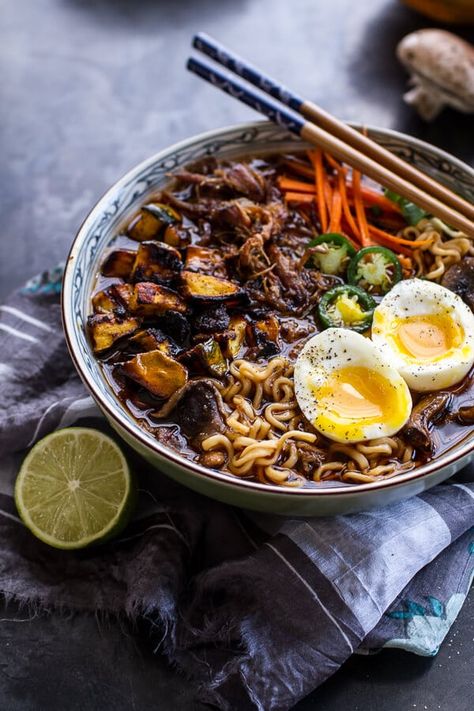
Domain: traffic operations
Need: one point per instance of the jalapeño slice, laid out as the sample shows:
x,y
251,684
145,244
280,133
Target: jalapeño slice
x,y
346,307
375,269
331,252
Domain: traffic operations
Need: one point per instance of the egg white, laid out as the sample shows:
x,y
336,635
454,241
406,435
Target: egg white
x,y
411,302
327,365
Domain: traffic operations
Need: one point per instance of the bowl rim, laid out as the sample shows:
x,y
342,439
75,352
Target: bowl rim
x,y
123,419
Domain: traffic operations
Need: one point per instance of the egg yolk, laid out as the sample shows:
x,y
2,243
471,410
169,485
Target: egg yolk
x,y
354,397
428,337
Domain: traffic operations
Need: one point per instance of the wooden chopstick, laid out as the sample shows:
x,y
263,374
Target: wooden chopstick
x,y
319,137
382,155
329,123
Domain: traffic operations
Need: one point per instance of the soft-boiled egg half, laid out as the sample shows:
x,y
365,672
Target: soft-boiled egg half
x,y
427,333
347,388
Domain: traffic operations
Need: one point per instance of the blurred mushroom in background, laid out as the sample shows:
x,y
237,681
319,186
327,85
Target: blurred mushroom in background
x,y
441,67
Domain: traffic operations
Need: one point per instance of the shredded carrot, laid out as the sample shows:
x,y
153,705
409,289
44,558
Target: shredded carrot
x,y
397,248
299,197
300,168
327,193
340,188
294,186
316,157
359,209
334,163
393,239
369,197
335,211
372,197
345,207
336,198
407,265
406,262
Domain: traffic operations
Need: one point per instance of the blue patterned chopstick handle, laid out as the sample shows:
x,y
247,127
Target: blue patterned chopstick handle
x,y
239,91
239,66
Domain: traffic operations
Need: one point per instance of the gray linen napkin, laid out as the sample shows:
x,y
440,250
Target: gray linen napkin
x,y
259,609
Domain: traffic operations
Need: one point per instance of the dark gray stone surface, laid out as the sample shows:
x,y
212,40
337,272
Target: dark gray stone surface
x,y
88,88
79,664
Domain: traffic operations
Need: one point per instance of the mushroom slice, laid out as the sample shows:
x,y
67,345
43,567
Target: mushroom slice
x,y
460,279
197,408
425,414
465,415
441,66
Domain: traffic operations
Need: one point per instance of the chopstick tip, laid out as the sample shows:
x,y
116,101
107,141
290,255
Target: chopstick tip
x,y
203,42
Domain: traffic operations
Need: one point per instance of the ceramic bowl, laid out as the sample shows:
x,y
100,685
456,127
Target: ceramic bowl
x,y
117,205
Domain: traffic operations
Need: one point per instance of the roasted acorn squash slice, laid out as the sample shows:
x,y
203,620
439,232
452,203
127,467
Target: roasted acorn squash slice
x,y
206,288
156,261
157,372
106,329
119,263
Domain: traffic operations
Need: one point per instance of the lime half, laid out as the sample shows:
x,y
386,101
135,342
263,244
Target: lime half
x,y
74,488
